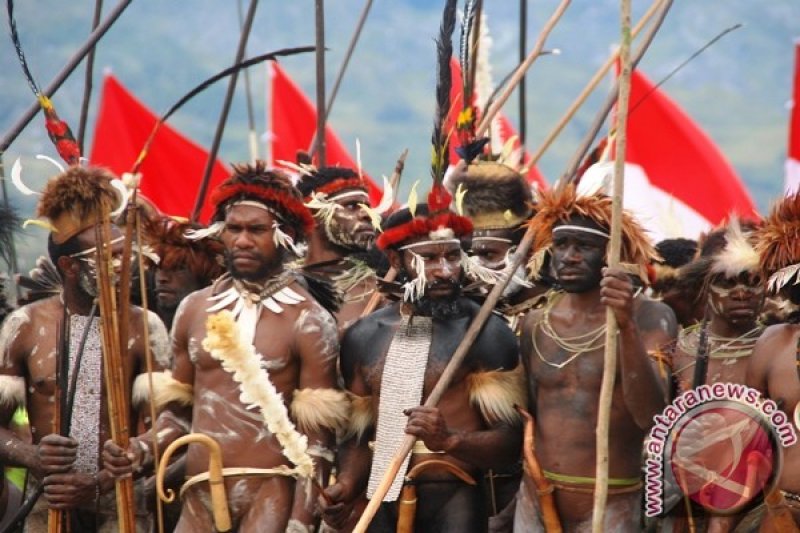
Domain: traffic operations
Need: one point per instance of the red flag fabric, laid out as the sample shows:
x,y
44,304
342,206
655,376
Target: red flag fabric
x,y
502,127
173,169
294,121
677,182
793,159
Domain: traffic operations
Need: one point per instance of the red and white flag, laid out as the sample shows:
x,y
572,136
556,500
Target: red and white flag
x,y
792,183
677,182
294,121
173,169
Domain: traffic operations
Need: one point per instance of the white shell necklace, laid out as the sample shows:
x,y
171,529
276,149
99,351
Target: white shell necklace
x,y
250,299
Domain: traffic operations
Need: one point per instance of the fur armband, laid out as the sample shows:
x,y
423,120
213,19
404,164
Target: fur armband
x,y
316,409
166,389
496,392
362,417
12,391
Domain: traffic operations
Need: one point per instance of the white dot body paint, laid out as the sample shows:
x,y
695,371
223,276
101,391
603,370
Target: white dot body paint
x,y
9,332
194,349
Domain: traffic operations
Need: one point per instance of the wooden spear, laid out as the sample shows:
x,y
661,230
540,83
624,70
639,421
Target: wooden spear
x,y
519,73
615,245
320,145
591,86
89,78
223,116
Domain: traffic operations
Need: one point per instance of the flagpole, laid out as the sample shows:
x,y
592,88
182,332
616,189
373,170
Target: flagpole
x,y
251,122
320,144
614,247
13,132
223,116
88,79
345,62
605,109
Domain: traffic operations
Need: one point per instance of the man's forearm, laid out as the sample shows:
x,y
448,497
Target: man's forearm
x,y
492,448
641,387
170,425
16,452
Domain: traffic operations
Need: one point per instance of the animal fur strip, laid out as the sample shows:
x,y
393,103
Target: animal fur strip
x,y
166,389
362,416
12,391
496,392
317,409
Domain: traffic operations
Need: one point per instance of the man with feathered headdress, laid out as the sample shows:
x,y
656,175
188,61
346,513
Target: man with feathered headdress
x,y
184,265
774,368
342,238
256,337
73,204
562,347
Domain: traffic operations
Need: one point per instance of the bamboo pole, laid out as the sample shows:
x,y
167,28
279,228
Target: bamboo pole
x,y
223,115
519,73
587,90
252,134
615,244
114,370
88,78
444,382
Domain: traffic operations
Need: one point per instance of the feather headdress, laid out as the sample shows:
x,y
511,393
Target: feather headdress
x,y
561,204
778,243
433,220
739,254
202,257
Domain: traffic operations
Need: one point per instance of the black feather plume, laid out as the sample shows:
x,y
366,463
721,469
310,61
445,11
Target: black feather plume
x,y
444,51
12,25
10,225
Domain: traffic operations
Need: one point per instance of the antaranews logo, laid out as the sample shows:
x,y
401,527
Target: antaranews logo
x,y
719,445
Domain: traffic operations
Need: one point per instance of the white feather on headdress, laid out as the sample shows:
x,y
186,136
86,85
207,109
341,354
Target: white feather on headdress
x,y
738,255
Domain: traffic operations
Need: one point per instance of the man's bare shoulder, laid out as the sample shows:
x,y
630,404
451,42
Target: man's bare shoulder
x,y
775,340
654,315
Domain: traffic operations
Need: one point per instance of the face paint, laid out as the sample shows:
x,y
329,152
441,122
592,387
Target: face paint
x,y
349,226
737,300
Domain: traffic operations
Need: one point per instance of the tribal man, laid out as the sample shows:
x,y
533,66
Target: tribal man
x,y
256,337
69,466
498,201
184,265
731,285
775,364
342,236
393,358
562,347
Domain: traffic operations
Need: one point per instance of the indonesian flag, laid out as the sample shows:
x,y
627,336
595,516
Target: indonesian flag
x,y
677,182
173,168
294,121
793,161
501,129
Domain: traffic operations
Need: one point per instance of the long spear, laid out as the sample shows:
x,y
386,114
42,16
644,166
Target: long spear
x,y
251,121
615,244
587,90
523,46
345,62
319,13
223,116
605,109
71,65
89,77
519,73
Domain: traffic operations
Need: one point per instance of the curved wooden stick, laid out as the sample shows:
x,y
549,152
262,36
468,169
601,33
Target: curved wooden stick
x,y
544,489
216,482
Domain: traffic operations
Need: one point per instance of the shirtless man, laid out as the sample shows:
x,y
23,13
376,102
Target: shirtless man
x,y
392,359
278,325
774,367
184,265
337,197
69,467
731,283
562,347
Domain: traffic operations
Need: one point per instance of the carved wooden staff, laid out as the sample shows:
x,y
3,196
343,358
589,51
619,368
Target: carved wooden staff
x,y
117,390
614,246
